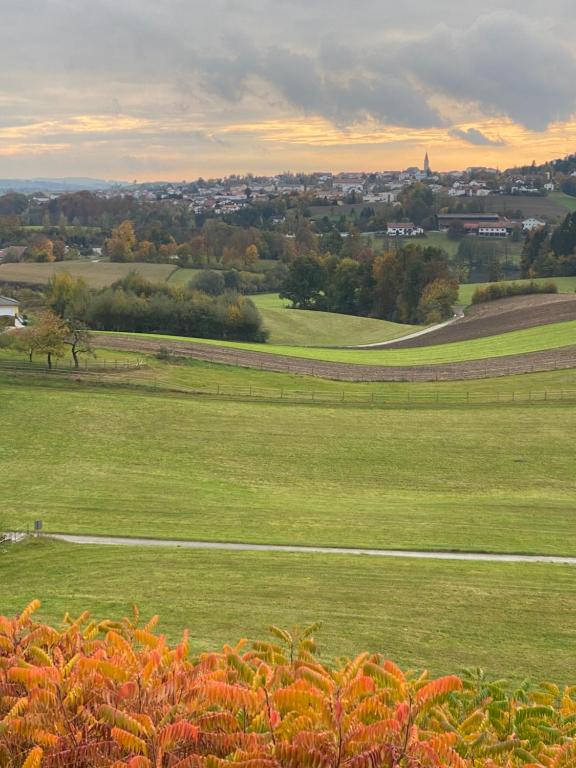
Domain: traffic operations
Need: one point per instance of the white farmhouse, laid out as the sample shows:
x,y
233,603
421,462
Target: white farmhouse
x,y
404,229
11,309
529,225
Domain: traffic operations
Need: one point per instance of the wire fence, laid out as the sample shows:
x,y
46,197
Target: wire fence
x,y
60,365
144,379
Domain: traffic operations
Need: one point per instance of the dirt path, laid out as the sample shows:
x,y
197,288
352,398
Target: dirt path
x,y
233,547
547,360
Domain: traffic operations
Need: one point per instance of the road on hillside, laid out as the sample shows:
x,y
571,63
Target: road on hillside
x,y
234,547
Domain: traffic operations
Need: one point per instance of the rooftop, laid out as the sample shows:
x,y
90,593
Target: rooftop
x,y
6,302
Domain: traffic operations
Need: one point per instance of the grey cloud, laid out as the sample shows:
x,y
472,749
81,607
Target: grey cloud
x,y
476,137
509,65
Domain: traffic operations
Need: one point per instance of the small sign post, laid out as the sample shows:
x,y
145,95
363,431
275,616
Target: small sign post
x,y
37,527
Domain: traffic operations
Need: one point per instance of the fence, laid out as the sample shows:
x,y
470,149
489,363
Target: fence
x,y
389,394
85,366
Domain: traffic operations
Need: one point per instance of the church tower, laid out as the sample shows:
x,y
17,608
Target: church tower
x,y
427,170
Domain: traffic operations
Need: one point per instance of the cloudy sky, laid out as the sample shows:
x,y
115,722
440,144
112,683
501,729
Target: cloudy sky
x,y
175,89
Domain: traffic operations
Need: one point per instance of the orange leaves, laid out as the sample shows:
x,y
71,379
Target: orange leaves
x,y
34,759
230,696
112,695
177,733
129,741
436,689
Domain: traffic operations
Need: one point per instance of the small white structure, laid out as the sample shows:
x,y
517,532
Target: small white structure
x,y
10,308
497,229
529,225
404,229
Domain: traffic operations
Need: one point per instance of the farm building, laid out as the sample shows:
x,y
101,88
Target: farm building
x,y
10,308
529,225
404,229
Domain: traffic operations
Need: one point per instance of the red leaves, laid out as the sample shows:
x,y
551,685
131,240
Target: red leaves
x,y
115,696
435,690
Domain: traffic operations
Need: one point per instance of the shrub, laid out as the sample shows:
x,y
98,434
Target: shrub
x,y
506,290
116,694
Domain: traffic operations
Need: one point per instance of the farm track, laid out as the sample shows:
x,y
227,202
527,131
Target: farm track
x,y
238,547
494,318
546,360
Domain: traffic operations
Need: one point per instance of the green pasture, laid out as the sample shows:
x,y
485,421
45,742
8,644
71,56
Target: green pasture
x,y
553,336
122,462
565,285
298,327
269,301
514,620
565,201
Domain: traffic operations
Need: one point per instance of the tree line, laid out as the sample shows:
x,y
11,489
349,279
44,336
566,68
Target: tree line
x,y
549,253
411,285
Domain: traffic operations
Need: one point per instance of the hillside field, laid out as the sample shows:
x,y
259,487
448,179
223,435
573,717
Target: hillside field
x,y
565,285
546,337
424,614
134,463
97,274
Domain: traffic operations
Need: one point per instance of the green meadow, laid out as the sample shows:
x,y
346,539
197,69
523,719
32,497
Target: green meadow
x,y
511,619
540,338
127,462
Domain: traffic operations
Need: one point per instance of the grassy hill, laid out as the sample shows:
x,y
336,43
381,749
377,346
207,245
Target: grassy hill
x,y
546,337
122,461
133,463
303,328
565,285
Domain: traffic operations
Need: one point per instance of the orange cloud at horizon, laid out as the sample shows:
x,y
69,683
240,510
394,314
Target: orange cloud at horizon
x,y
166,149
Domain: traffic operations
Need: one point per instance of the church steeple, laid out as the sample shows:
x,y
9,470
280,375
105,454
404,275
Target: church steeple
x,y
427,165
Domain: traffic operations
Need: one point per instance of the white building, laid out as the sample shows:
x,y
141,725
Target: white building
x,y
496,229
11,309
404,229
529,225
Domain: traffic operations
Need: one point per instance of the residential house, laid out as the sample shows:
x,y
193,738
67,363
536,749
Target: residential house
x,y
404,229
10,308
529,225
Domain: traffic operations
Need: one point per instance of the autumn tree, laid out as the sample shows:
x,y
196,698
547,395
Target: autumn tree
x,y
67,296
120,247
49,335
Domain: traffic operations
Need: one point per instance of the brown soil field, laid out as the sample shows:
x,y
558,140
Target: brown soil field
x,y
547,360
496,317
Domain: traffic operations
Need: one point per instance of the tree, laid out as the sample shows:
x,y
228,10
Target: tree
x,y
251,255
41,249
120,247
68,296
49,335
304,282
79,339
437,301
209,281
456,230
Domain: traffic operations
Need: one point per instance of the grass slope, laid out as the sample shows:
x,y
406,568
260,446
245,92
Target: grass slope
x,y
495,479
553,336
304,328
565,201
97,274
509,619
565,285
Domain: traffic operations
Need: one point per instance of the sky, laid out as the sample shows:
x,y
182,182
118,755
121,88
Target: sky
x,y
177,89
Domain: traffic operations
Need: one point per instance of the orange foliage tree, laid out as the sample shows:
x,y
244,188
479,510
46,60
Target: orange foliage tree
x,y
117,694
